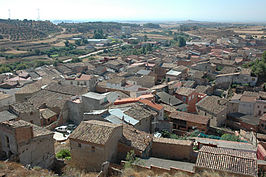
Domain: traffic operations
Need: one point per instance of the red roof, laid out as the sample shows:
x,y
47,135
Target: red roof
x,y
126,100
151,104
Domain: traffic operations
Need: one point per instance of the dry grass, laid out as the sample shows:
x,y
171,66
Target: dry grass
x,y
14,169
13,51
129,172
249,32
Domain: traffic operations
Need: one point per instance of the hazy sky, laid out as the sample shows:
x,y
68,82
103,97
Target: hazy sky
x,y
212,10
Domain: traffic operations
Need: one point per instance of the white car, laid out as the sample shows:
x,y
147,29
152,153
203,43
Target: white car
x,y
61,129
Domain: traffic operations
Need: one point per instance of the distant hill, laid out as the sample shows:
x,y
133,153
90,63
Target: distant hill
x,y
91,26
26,29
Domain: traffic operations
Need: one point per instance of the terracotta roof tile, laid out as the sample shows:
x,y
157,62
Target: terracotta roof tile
x,y
227,160
151,104
93,131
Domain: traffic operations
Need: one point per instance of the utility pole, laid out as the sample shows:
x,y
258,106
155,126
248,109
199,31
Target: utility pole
x,y
9,14
38,14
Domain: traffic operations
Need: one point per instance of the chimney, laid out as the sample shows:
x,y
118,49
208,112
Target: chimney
x,y
123,118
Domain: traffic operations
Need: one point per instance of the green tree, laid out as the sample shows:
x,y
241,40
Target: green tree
x,y
64,154
67,44
229,137
78,42
181,41
145,37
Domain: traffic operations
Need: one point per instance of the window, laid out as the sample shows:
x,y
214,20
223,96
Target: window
x,y
79,145
31,113
78,83
71,83
92,149
31,121
7,142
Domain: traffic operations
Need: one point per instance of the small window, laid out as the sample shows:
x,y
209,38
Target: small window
x,y
31,113
92,149
79,145
71,83
31,121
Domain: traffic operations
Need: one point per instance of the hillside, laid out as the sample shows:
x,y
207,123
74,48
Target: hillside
x,y
26,29
107,27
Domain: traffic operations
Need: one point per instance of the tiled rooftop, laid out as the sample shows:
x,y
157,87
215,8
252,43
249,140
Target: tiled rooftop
x,y
234,161
93,131
135,138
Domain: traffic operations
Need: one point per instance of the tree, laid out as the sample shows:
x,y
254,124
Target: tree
x,y
78,42
181,41
145,37
229,137
67,44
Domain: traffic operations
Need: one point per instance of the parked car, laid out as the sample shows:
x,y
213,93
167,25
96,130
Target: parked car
x,y
61,129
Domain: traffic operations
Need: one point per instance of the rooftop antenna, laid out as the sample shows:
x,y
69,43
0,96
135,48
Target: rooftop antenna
x,y
9,14
38,14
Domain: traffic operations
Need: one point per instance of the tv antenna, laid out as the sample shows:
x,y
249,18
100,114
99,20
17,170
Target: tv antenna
x,y
38,14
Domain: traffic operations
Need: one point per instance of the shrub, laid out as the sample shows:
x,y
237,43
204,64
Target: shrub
x,y
63,154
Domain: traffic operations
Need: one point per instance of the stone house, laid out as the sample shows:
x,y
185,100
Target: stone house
x,y
189,122
189,96
26,111
252,103
93,143
173,75
27,143
242,77
47,116
215,108
133,139
116,83
144,81
83,80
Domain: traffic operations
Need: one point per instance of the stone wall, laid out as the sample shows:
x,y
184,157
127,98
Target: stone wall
x,y
173,151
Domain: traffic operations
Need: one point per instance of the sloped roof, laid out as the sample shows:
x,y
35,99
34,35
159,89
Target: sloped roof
x,y
190,117
93,131
135,138
227,160
151,104
168,99
185,91
213,104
